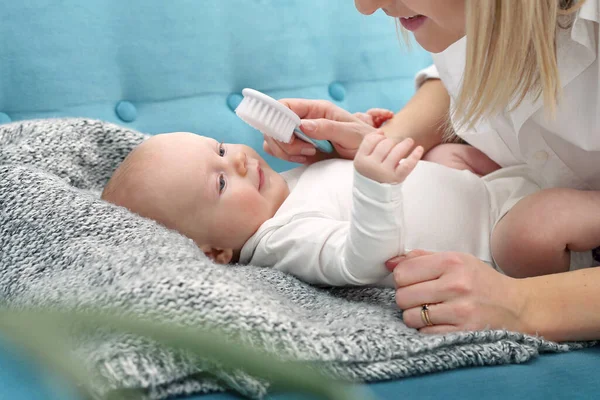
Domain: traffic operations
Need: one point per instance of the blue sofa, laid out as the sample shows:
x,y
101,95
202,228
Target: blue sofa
x,y
180,65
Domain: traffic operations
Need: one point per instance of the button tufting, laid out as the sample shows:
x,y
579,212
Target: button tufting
x,y
126,111
337,91
234,100
4,118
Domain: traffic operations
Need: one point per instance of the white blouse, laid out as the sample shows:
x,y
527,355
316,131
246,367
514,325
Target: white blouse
x,y
566,150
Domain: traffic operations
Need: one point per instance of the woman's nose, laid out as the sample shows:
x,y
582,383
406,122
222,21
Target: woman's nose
x,y
368,7
241,161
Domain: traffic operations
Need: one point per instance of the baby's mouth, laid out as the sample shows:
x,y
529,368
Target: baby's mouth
x,y
261,177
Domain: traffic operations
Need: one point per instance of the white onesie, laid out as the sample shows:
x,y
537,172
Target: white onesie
x,y
338,227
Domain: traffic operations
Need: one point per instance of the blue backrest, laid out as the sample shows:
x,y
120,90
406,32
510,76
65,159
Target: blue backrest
x,y
180,65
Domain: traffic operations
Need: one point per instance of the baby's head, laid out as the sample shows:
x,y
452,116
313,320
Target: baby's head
x,y
214,193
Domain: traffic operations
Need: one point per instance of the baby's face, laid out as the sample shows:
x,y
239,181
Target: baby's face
x,y
221,192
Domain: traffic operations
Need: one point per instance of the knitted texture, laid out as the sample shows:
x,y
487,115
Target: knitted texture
x,y
60,245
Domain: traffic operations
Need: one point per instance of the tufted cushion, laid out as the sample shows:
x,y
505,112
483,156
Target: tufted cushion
x,y
159,66
180,65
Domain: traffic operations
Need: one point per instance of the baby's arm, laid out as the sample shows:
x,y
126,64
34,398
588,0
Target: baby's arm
x,y
538,233
461,156
321,250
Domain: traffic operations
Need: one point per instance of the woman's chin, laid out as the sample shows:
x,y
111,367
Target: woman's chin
x,y
432,46
434,43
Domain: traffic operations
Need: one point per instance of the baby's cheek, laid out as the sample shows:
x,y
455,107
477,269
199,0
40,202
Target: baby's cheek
x,y
246,201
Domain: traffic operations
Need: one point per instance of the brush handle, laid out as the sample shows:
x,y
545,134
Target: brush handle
x,y
322,145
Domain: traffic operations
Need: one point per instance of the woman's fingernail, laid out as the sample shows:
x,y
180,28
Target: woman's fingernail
x,y
397,260
309,126
298,159
391,265
308,151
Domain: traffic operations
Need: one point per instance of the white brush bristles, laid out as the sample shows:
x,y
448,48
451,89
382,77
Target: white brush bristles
x,y
267,115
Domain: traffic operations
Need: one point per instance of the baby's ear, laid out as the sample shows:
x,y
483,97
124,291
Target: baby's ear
x,y
220,256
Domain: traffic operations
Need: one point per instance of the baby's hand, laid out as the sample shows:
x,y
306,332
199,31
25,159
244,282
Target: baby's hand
x,y
385,160
375,116
461,156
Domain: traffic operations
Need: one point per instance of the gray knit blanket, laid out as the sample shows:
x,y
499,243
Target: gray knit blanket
x,y
60,245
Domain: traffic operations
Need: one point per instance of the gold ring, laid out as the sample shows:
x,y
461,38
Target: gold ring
x,y
425,315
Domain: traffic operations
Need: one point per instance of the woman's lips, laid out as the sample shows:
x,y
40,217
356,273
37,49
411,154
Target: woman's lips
x,y
412,23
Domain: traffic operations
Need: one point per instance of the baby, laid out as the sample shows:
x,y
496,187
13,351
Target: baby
x,y
336,222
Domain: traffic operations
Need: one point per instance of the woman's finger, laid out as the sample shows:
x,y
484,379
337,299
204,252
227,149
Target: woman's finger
x,y
295,147
439,315
364,117
315,109
392,263
297,151
273,148
419,269
411,296
347,134
267,148
439,329
417,266
346,137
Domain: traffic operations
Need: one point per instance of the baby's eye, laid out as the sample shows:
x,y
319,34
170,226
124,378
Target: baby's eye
x,y
221,149
221,183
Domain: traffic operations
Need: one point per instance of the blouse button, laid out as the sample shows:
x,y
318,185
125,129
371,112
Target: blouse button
x,y
540,156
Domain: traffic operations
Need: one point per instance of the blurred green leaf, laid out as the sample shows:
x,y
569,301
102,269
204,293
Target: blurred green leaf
x,y
42,333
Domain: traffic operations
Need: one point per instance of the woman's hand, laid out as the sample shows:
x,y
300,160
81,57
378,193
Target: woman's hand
x,y
462,293
324,121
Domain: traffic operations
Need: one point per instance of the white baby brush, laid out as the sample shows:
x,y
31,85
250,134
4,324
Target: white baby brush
x,y
274,119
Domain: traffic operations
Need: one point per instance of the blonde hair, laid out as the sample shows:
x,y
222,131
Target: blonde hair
x,y
511,55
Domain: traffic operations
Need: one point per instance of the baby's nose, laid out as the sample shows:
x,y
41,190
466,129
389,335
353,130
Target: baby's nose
x,y
241,161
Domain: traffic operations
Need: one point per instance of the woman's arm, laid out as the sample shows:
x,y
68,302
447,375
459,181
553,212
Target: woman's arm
x,y
425,116
563,307
423,119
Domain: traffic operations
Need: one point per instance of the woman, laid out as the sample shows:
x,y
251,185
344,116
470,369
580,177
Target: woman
x,y
530,94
